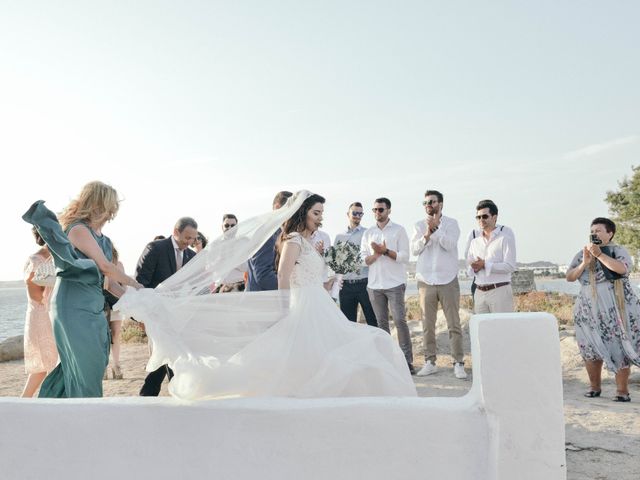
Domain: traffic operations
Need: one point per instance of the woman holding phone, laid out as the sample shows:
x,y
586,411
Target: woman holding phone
x,y
607,311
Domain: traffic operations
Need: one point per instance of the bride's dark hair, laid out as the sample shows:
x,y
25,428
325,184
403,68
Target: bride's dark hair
x,y
297,222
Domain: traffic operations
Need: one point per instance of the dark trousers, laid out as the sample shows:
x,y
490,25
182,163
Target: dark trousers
x,y
353,294
153,382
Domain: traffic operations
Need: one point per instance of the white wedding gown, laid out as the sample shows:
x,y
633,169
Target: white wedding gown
x,y
293,343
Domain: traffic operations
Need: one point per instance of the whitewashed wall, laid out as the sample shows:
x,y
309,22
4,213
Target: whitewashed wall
x,y
510,426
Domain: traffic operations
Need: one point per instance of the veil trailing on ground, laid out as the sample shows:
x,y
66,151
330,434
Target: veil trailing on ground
x,y
184,320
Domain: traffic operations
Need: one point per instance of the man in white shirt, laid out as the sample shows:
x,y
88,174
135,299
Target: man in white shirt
x,y
435,243
492,259
235,279
385,250
354,289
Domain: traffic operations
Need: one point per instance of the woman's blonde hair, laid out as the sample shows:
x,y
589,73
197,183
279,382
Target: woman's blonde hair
x,y
97,204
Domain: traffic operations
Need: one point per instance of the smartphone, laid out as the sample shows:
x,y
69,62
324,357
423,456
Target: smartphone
x,y
594,239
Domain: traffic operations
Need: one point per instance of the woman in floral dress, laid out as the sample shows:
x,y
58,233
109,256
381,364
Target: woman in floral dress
x,y
607,311
40,354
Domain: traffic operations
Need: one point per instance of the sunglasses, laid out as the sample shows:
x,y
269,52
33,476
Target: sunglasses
x,y
429,202
357,214
229,225
379,209
484,216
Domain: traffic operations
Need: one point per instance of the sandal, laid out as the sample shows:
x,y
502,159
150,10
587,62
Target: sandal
x,y
593,393
622,398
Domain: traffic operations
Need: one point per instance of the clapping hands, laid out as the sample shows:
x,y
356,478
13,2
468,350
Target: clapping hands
x,y
379,248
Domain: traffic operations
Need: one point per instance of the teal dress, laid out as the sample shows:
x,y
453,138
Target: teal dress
x,y
80,327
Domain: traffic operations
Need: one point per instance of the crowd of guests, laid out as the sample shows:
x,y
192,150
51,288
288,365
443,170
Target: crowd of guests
x,y
607,312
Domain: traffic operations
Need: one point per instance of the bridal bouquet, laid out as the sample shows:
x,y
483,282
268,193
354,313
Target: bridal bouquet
x,y
342,258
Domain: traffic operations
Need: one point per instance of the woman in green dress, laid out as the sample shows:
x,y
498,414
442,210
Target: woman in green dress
x,y
82,255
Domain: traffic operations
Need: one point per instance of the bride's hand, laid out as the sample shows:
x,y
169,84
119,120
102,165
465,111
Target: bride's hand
x,y
328,285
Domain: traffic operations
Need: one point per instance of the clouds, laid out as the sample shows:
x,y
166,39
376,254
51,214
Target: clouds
x,y
599,148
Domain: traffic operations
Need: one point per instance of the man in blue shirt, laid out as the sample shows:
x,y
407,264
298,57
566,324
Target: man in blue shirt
x,y
354,288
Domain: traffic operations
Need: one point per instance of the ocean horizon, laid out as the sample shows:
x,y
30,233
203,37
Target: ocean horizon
x,y
13,300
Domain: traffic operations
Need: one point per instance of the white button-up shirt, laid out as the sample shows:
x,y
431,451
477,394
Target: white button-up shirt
x,y
438,258
177,251
385,272
498,253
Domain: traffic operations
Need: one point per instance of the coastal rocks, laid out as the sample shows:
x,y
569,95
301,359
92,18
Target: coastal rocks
x,y
12,349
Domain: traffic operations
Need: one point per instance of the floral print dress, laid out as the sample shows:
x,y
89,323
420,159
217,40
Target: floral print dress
x,y
604,330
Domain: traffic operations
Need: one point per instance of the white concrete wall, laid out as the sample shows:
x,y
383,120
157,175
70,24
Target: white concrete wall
x,y
510,426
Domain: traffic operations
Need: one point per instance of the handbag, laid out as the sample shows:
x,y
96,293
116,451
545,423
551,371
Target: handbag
x,y
45,274
609,274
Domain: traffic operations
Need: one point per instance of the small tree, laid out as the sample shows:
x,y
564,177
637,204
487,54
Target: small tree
x,y
624,206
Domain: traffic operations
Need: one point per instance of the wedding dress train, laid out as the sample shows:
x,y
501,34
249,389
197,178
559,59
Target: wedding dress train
x,y
293,343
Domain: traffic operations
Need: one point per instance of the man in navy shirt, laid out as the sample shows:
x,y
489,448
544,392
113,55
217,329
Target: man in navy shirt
x,y
262,268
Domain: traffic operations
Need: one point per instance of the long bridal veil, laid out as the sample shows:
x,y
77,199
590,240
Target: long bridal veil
x,y
276,343
185,321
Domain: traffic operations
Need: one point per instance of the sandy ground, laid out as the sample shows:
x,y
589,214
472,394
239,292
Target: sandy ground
x,y
602,437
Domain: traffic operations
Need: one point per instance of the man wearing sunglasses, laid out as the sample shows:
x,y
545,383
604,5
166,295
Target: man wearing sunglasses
x,y
385,250
435,243
354,288
235,280
491,258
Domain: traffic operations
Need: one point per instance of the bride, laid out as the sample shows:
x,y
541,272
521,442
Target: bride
x,y
292,342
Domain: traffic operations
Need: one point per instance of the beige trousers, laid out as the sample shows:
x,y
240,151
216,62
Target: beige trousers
x,y
498,300
449,297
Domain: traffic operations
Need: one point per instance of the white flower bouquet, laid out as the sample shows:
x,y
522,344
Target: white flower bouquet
x,y
342,258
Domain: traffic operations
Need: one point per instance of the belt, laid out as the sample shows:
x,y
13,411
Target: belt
x,y
359,280
491,286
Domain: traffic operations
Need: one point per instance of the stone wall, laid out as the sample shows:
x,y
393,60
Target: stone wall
x,y
509,426
522,281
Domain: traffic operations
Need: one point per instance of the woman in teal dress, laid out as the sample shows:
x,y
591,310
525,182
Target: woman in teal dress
x,y
82,255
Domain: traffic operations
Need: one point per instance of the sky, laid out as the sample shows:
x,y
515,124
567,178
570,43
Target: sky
x,y
200,108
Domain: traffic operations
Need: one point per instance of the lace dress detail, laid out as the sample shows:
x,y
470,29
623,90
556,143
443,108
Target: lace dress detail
x,y
40,353
309,268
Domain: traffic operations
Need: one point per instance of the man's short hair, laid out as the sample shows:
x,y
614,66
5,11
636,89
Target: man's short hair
x,y
436,193
229,215
355,204
185,222
384,200
493,208
281,198
609,225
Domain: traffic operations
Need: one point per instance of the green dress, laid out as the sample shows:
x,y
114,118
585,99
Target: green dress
x,y
80,327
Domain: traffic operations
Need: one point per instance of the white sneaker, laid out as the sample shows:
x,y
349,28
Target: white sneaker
x,y
428,369
458,371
